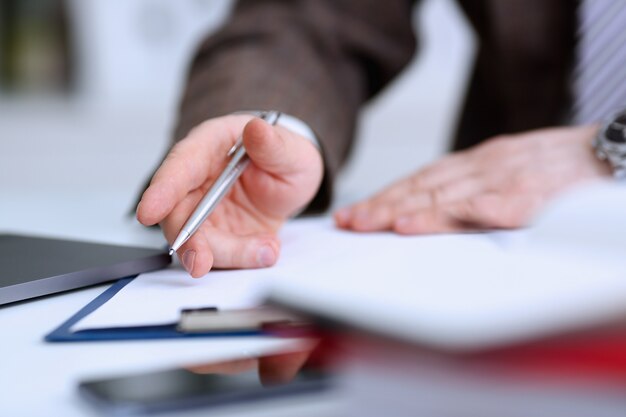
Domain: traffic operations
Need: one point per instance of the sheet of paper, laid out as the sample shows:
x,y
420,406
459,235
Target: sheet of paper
x,y
569,270
454,291
307,245
459,299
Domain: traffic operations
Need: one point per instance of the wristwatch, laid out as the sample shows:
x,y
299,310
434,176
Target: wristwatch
x,y
610,144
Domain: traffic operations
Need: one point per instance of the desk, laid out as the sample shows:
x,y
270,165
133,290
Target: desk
x,y
75,174
74,152
39,379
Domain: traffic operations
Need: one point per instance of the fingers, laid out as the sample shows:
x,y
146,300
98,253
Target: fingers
x,y
465,206
381,214
233,367
211,248
485,211
185,168
284,175
231,251
501,183
281,368
452,178
496,210
449,169
472,213
196,255
430,220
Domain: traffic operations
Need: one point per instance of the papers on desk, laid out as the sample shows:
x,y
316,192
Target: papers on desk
x,y
456,291
313,245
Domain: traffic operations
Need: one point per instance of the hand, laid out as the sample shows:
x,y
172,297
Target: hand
x,y
499,184
276,369
284,175
233,367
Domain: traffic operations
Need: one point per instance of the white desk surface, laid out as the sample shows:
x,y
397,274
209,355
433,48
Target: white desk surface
x,y
40,379
72,171
75,173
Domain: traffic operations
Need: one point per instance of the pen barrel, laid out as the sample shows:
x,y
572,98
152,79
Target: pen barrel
x,y
237,164
221,187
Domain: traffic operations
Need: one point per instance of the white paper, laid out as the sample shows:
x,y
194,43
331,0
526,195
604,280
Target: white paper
x,y
454,291
307,245
567,271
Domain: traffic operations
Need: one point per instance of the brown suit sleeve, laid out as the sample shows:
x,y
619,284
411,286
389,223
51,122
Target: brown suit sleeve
x,y
318,60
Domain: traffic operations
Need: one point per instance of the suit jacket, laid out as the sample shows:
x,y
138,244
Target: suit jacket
x,y
320,60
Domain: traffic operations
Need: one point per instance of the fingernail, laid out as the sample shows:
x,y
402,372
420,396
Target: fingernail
x,y
265,256
189,258
138,210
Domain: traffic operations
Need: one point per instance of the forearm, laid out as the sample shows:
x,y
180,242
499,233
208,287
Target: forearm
x,y
316,60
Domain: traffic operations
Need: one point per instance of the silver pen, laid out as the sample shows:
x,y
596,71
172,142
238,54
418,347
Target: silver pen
x,y
239,160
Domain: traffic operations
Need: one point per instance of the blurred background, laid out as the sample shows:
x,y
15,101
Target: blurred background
x,y
89,92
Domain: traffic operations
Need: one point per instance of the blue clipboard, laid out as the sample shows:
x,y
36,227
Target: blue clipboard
x,y
167,331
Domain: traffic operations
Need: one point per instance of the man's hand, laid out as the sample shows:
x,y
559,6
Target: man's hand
x,y
499,184
275,369
284,175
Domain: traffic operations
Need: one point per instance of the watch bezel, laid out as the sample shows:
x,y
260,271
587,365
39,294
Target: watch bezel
x,y
609,150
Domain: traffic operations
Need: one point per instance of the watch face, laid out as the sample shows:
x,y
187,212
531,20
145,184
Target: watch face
x,y
616,131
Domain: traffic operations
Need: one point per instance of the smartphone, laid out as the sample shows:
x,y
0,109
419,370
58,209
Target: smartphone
x,y
216,384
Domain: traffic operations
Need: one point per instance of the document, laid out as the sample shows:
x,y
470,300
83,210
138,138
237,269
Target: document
x,y
156,298
568,270
459,292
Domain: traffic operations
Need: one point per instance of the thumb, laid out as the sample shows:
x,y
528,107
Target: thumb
x,y
271,149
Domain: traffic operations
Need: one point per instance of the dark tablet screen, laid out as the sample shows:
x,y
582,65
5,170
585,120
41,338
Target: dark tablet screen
x,y
34,266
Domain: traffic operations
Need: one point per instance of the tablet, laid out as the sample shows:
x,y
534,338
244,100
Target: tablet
x,y
33,266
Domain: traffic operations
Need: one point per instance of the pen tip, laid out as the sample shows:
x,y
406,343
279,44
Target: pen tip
x,y
171,252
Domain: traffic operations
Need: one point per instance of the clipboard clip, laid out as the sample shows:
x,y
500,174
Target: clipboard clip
x,y
262,319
